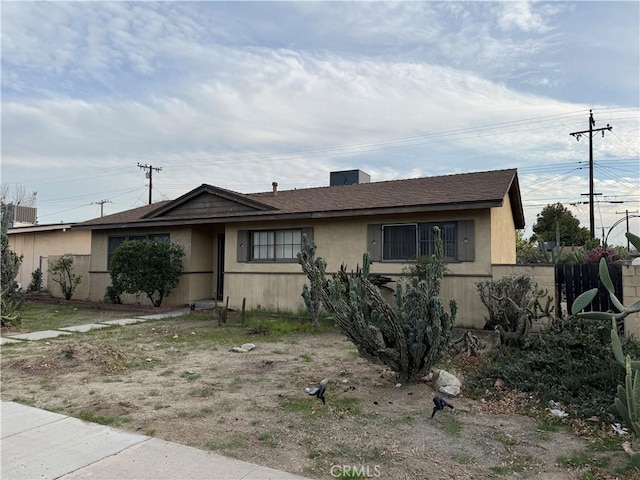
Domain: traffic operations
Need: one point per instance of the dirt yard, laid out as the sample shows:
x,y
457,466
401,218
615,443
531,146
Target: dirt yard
x,y
177,380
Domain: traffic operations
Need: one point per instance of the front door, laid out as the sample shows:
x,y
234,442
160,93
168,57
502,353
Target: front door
x,y
220,270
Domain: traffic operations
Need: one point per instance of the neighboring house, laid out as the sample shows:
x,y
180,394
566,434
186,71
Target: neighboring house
x,y
37,244
245,245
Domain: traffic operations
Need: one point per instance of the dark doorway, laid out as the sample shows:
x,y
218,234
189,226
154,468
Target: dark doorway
x,y
220,270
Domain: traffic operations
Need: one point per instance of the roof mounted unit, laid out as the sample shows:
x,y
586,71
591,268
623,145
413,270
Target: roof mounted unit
x,y
348,177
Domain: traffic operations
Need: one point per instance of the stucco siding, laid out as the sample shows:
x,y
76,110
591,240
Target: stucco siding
x,y
503,234
80,267
36,245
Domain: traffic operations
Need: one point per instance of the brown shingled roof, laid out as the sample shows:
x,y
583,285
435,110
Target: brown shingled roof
x,y
467,190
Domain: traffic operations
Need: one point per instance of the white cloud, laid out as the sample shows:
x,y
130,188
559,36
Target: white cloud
x,y
520,15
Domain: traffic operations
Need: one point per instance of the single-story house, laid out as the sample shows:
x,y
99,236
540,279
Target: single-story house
x,y
244,246
36,244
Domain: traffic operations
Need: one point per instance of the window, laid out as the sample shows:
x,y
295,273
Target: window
x,y
399,242
282,245
427,239
114,242
274,245
408,241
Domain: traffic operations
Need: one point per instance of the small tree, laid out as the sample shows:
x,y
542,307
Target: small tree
x,y
11,300
36,280
557,217
147,267
62,273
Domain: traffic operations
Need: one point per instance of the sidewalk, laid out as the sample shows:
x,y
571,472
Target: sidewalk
x,y
38,444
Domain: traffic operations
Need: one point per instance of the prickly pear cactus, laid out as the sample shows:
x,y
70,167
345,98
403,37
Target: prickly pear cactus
x,y
627,402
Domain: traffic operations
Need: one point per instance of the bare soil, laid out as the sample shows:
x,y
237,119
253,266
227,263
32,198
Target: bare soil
x,y
177,380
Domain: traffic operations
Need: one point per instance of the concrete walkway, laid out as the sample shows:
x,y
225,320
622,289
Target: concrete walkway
x,y
37,444
91,326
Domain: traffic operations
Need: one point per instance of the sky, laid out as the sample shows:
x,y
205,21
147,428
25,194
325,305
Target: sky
x,y
243,94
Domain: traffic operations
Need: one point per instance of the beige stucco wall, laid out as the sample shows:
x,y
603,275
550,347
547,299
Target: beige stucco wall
x,y
36,245
631,294
80,267
279,285
503,234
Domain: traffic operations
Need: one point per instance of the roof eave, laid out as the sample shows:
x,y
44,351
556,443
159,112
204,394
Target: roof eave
x,y
300,215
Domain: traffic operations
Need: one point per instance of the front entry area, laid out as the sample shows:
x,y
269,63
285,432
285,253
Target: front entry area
x,y
220,269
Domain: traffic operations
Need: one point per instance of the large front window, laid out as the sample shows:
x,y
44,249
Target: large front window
x,y
273,245
409,241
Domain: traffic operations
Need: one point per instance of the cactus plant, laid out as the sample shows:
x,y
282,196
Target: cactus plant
x,y
408,337
627,402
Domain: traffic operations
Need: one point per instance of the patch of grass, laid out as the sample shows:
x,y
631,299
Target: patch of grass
x,y
233,442
267,439
166,373
254,423
453,427
548,426
205,392
190,376
348,472
463,459
305,358
227,405
206,411
278,351
589,475
606,443
154,393
36,317
346,405
149,432
304,406
102,419
25,401
579,459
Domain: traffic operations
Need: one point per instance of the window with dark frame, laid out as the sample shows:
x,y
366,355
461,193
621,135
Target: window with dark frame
x,y
405,242
275,245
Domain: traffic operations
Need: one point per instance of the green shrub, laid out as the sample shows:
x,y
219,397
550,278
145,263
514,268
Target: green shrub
x,y
570,364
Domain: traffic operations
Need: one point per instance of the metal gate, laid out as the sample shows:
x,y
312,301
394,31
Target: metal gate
x,y
574,279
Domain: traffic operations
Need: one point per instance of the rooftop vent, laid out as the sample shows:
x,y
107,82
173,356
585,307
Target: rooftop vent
x,y
348,177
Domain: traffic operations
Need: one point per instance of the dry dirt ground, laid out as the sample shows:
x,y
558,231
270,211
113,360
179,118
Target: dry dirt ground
x,y
177,380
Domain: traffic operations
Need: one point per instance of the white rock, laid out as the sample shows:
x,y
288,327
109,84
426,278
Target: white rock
x,y
451,390
238,350
248,346
447,383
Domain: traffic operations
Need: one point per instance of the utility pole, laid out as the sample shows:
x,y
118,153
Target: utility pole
x,y
149,174
101,203
591,131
